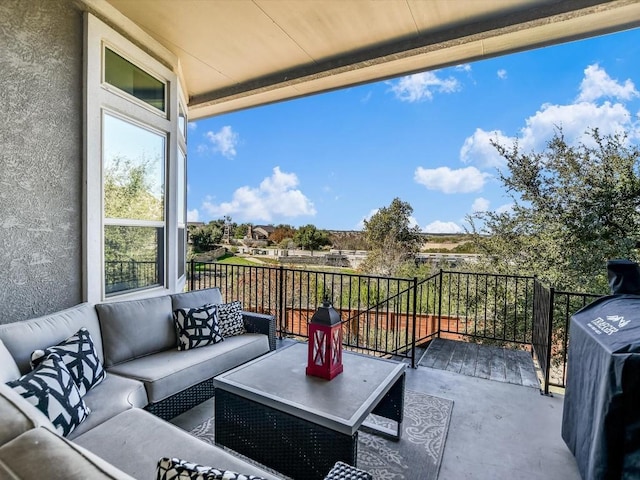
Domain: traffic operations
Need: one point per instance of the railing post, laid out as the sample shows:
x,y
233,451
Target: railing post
x,y
281,308
192,277
440,304
549,341
413,334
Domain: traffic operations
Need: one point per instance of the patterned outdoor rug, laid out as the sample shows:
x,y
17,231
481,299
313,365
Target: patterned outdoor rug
x,y
417,456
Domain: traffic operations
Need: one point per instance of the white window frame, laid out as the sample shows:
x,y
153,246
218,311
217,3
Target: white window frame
x,y
182,148
100,97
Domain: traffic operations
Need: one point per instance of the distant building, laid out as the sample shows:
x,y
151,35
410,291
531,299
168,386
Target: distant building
x,y
260,232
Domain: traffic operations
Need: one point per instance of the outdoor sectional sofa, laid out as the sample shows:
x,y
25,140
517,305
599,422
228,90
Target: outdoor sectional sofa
x,y
147,377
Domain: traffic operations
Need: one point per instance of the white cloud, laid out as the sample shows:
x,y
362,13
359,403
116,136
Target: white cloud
x,y
506,208
480,204
193,215
597,84
478,149
576,121
224,141
443,227
276,195
421,86
465,67
502,74
192,125
360,225
446,180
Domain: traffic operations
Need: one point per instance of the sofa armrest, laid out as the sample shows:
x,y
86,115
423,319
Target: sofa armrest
x,y
261,323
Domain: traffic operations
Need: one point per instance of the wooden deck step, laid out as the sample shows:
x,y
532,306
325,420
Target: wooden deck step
x,y
484,361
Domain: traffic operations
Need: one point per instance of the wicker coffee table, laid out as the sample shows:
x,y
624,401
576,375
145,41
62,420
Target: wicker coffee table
x,y
271,411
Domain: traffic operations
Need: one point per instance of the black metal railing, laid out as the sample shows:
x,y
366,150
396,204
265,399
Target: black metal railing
x,y
392,316
130,275
564,304
381,315
489,308
543,329
552,311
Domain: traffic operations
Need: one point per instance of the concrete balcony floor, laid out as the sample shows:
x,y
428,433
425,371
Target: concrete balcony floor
x,y
497,431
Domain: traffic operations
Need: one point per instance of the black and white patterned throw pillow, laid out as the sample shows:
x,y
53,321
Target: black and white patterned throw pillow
x,y
230,317
176,469
79,355
52,390
197,327
345,471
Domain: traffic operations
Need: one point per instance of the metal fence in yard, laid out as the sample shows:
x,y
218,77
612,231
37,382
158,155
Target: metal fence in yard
x,y
553,311
392,316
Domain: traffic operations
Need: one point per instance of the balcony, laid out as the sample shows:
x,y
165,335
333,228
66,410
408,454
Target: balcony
x,y
502,424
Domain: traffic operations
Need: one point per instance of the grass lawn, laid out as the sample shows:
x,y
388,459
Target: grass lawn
x,y
232,260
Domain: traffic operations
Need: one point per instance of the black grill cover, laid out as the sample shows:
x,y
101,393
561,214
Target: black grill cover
x,y
601,420
624,276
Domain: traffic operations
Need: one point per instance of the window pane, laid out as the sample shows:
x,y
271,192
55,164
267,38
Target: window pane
x,y
181,205
182,122
131,79
181,167
133,257
181,251
134,160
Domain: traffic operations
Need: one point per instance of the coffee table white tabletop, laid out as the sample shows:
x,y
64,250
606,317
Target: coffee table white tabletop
x,y
271,411
278,380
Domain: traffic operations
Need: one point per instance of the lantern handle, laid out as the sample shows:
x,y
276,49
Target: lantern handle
x,y
326,299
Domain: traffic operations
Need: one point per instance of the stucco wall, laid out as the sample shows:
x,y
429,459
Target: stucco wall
x,y
40,157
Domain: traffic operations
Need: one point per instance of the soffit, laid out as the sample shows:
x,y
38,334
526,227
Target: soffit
x,y
236,54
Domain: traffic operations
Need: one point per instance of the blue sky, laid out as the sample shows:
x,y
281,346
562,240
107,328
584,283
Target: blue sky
x,y
332,159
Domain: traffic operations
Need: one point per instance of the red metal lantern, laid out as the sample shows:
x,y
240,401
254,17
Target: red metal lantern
x,y
325,342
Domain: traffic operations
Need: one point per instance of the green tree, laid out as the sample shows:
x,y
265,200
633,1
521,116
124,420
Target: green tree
x,y
129,193
207,237
286,243
310,238
392,240
128,190
219,223
348,241
574,207
240,231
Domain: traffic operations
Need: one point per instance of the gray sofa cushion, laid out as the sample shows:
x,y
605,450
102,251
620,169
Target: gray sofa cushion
x,y
17,415
171,371
135,440
8,367
136,328
40,453
114,395
196,298
22,338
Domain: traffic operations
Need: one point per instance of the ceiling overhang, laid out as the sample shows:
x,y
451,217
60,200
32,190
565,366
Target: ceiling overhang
x,y
236,54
